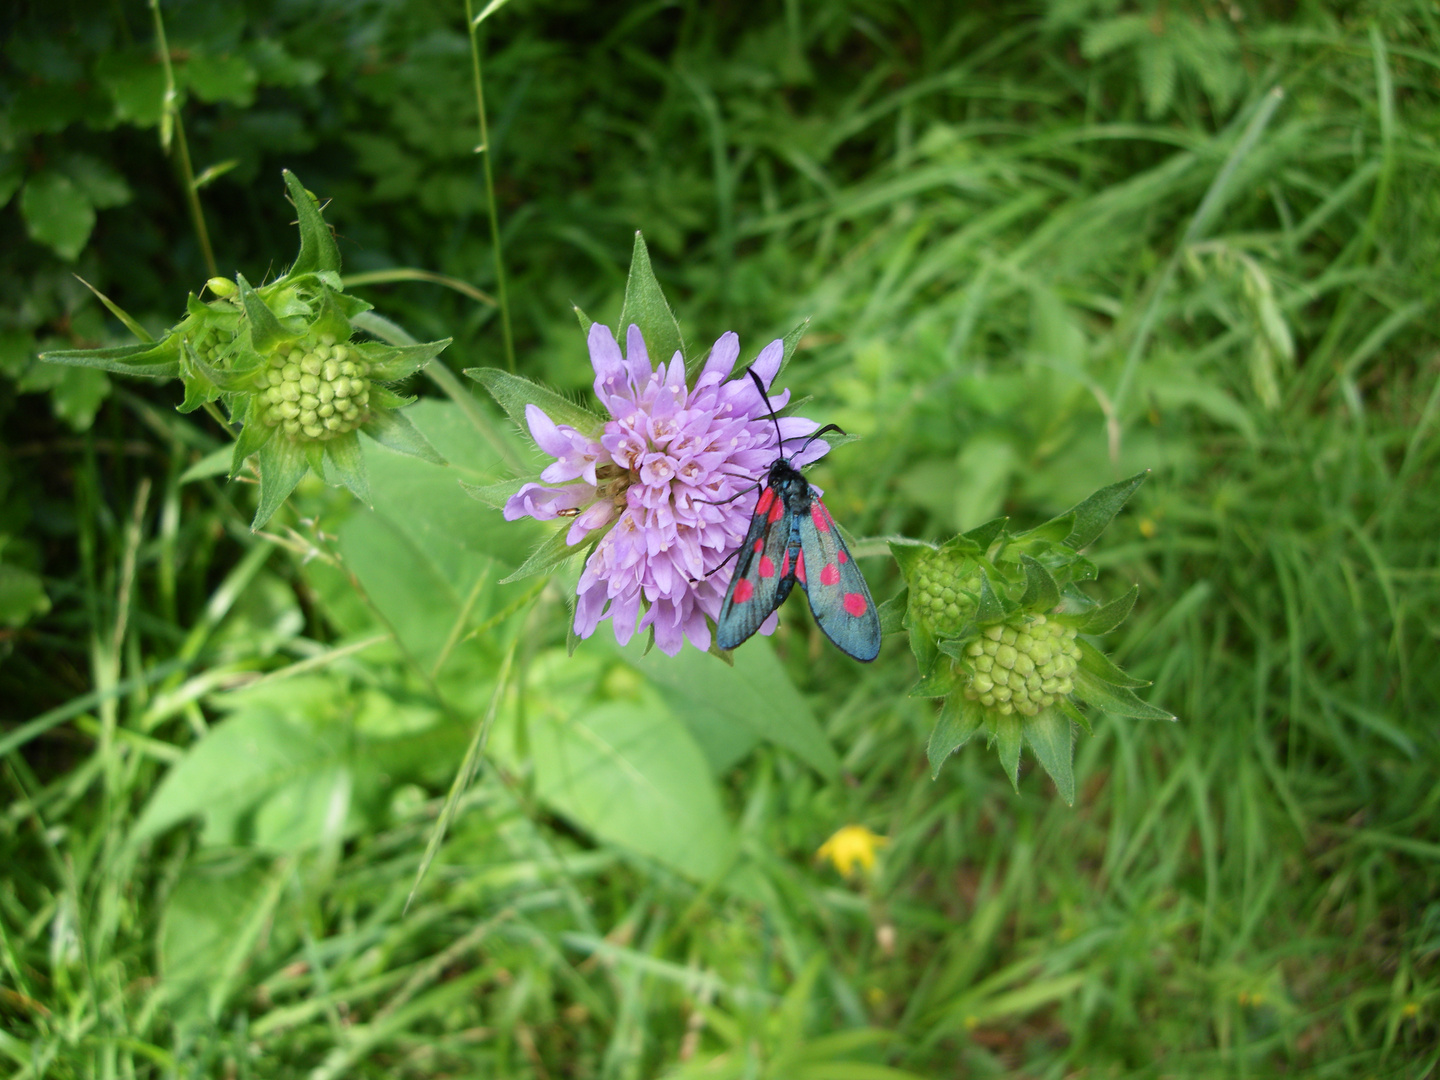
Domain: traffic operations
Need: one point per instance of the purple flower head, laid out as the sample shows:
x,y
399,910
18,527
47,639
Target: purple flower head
x,y
661,477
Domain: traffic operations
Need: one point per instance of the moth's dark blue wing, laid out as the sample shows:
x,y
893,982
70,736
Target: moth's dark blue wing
x,y
762,570
838,594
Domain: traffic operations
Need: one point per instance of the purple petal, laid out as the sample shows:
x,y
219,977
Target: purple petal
x,y
609,365
722,360
546,435
543,504
767,364
637,359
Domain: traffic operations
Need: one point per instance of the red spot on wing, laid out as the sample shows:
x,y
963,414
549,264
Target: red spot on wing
x,y
840,555
766,498
800,566
785,563
855,604
759,545
830,575
743,591
777,511
819,516
767,568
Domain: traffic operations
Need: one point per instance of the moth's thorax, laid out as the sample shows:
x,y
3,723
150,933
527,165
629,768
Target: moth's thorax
x,y
789,485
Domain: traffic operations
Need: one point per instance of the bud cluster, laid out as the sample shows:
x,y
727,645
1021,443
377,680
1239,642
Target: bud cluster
x,y
213,343
1023,665
315,390
942,598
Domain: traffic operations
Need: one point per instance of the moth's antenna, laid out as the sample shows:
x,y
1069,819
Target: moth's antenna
x,y
821,431
779,439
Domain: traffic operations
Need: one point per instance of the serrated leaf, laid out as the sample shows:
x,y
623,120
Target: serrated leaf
x,y
1041,593
345,463
382,397
393,430
514,392
893,612
282,466
646,308
1102,667
1093,514
959,720
551,553
118,359
391,362
265,330
1116,700
1053,741
494,495
318,250
1008,738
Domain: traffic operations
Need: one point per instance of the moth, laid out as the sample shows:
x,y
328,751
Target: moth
x,y
793,538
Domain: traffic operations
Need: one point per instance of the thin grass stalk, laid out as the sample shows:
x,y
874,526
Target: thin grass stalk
x,y
472,27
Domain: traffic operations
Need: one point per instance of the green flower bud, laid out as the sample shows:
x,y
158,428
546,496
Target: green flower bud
x,y
221,286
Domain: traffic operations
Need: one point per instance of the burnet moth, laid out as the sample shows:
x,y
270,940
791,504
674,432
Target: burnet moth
x,y
793,538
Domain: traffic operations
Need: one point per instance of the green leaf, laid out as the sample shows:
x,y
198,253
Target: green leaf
x,y
634,776
960,719
1102,667
646,308
988,608
344,462
1096,512
391,362
513,392
254,434
318,250
1008,738
57,213
755,694
1107,617
908,554
120,313
1041,592
216,463
266,333
217,78
22,596
494,496
585,321
550,554
282,466
893,612
790,340
1051,737
1116,700
939,681
124,359
982,536
394,430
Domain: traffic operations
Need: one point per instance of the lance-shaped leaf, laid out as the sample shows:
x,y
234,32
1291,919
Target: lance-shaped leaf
x,y
391,362
551,553
1053,740
1041,592
893,612
494,495
230,381
120,313
392,429
1107,617
344,462
959,720
988,608
318,250
646,308
1115,699
266,332
1008,737
585,321
282,466
1093,514
939,681
253,435
1102,667
513,393
160,361
982,536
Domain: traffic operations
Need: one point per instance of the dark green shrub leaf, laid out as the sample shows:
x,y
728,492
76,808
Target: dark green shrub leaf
x,y
57,213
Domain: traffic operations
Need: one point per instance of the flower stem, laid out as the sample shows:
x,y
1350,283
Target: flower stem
x,y
472,25
172,117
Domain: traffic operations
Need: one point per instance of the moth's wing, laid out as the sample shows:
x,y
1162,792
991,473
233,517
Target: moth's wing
x,y
760,568
838,594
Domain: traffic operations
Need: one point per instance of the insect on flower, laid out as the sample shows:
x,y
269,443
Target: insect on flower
x,y
793,538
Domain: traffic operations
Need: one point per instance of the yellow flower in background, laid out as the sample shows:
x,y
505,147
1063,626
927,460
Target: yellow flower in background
x,y
852,846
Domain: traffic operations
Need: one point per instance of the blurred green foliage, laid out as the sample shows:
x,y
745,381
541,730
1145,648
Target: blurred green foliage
x,y
1042,248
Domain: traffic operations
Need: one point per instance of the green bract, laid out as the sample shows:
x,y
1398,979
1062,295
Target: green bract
x,y
281,360
997,625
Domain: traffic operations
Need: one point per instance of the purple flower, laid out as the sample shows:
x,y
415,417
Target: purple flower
x,y
665,478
